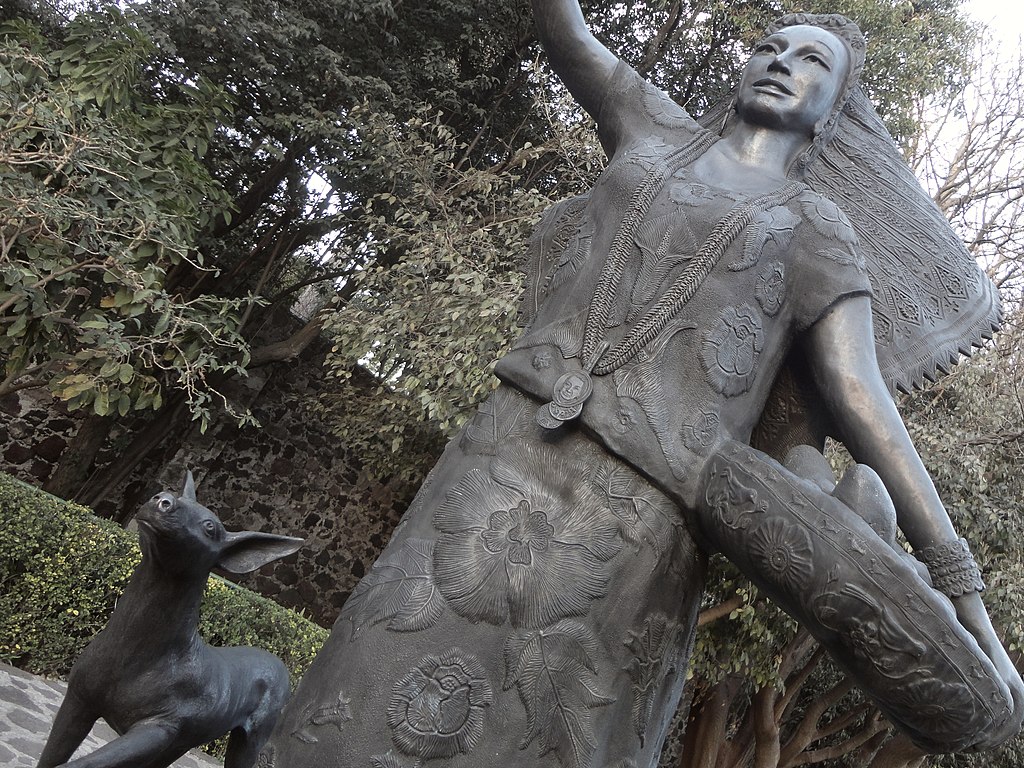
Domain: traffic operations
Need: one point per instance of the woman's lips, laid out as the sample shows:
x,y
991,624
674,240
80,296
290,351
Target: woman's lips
x,y
767,82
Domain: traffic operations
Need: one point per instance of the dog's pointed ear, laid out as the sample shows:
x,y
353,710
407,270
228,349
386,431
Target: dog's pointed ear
x,y
189,491
245,551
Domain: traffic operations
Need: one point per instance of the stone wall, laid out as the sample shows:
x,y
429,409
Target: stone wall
x,y
34,431
289,476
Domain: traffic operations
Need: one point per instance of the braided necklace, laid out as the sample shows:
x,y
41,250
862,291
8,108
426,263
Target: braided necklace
x,y
599,357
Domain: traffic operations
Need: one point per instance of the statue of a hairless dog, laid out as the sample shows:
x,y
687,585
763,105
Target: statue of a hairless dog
x,y
150,675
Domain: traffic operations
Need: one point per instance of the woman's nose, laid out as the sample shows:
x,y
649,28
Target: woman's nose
x,y
778,64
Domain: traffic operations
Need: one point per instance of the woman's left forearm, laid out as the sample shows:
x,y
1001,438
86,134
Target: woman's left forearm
x,y
841,350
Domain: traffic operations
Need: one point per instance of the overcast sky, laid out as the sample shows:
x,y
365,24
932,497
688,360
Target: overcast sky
x,y
1005,17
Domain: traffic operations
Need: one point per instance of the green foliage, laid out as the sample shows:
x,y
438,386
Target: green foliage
x,y
209,206
748,641
62,569
438,305
969,429
103,194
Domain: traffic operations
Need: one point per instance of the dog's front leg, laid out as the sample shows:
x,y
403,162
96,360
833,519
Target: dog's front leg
x,y
141,745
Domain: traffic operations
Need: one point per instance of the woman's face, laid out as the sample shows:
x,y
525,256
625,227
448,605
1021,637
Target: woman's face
x,y
792,81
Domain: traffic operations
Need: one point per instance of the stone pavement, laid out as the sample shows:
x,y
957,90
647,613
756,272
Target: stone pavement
x,y
27,706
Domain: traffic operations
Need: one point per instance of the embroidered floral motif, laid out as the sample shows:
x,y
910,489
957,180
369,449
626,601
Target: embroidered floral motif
x,y
826,218
336,713
785,550
665,112
691,193
875,637
776,226
574,249
731,349
657,652
730,503
935,706
846,257
643,152
665,243
437,710
624,421
770,290
527,541
517,533
698,436
390,761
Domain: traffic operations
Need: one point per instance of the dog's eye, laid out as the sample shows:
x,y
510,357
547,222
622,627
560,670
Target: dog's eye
x,y
209,528
165,504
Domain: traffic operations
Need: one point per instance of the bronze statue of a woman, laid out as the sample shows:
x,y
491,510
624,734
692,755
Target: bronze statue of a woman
x,y
537,605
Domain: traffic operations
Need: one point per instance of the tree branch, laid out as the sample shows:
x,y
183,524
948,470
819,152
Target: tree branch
x,y
716,612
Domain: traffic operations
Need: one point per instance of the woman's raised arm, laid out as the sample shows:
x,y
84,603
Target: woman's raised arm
x,y
579,58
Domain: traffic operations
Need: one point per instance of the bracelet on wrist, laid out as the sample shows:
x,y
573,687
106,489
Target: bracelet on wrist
x,y
952,568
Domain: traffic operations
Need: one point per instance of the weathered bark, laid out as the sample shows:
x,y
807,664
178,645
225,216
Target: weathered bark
x,y
766,728
290,348
705,732
72,469
155,434
898,752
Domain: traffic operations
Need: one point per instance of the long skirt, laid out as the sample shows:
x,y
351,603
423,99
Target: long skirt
x,y
535,607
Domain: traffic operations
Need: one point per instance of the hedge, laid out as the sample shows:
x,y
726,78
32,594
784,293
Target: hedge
x,y
62,568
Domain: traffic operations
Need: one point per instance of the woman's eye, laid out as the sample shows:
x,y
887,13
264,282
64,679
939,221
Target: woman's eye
x,y
815,59
765,48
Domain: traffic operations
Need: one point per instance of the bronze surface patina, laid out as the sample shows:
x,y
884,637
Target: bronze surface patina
x,y
150,675
729,292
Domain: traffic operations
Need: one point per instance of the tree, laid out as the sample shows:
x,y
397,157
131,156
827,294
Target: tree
x,y
103,193
301,77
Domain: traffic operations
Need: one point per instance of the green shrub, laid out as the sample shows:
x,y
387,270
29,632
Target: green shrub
x,y
62,569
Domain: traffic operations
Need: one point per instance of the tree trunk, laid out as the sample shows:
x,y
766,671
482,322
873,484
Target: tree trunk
x,y
152,436
898,752
72,469
705,733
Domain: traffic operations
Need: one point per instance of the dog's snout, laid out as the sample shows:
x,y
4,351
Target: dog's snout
x,y
164,501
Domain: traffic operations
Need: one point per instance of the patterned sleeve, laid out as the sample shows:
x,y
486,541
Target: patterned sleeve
x,y
632,108
832,267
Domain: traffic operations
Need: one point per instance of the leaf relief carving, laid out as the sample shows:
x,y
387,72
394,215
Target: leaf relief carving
x,y
665,244
390,761
826,218
399,589
776,226
656,654
554,672
496,420
644,515
336,713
